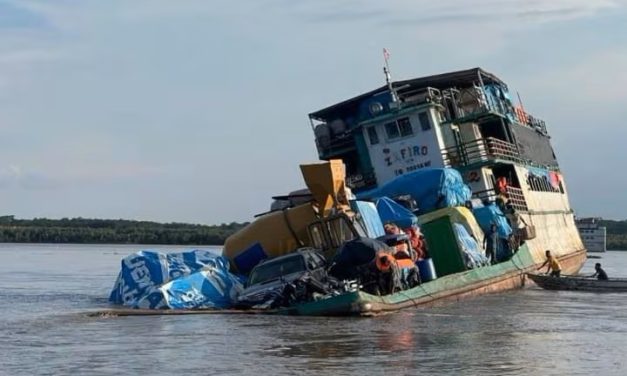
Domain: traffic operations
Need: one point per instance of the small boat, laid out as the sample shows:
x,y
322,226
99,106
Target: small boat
x,y
578,283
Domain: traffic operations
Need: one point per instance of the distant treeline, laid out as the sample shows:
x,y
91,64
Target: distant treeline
x,y
616,234
112,231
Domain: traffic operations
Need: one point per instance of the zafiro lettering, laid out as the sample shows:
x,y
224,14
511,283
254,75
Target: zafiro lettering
x,y
404,154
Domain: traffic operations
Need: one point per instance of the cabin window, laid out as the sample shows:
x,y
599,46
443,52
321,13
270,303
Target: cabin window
x,y
425,124
373,136
404,127
399,128
391,129
340,231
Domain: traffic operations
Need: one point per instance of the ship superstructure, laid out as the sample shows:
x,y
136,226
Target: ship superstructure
x,y
594,235
466,120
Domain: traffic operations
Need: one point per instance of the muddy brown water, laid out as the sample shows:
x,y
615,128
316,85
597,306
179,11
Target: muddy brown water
x,y
46,289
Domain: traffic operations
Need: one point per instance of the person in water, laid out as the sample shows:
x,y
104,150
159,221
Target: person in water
x,y
599,272
553,265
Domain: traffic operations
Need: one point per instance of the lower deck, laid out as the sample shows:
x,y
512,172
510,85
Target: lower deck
x,y
505,276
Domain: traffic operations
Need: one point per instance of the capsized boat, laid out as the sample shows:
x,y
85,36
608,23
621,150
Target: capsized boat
x,y
578,283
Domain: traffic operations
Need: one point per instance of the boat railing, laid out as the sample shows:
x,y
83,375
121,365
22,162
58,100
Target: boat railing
x,y
480,150
515,197
335,144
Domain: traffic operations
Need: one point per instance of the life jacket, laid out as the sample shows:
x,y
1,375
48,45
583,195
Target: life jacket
x,y
501,184
416,243
405,263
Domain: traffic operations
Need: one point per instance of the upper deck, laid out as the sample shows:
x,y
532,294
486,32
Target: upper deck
x,y
464,119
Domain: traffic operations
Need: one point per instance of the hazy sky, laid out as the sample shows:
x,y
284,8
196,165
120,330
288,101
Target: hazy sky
x,y
196,111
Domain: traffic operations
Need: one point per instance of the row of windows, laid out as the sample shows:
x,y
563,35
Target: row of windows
x,y
399,128
541,184
591,238
588,231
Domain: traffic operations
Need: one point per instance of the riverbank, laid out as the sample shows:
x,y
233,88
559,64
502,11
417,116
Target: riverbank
x,y
111,231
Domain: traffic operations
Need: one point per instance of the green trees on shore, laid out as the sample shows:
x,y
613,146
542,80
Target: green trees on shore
x,y
113,231
616,234
121,231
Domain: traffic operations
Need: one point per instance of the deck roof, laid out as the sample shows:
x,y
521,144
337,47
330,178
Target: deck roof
x,y
461,78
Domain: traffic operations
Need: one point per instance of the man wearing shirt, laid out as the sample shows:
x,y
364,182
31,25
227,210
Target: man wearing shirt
x,y
553,265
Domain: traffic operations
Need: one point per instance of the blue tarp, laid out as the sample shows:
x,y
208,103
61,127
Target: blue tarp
x,y
370,217
195,279
472,251
390,211
432,188
492,214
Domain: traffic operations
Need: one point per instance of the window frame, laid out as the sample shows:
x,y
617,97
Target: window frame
x,y
372,131
424,116
400,131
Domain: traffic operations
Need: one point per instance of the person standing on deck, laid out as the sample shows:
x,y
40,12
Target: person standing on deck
x,y
553,265
599,273
490,242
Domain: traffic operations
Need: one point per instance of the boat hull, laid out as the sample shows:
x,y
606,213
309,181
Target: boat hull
x,y
579,283
505,276
496,278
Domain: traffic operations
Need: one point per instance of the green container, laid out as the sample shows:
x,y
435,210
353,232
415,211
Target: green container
x,y
443,247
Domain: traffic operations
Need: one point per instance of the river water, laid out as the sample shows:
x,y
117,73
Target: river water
x,y
46,290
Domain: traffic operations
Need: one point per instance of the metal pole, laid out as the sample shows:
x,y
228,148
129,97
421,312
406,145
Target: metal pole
x,y
483,89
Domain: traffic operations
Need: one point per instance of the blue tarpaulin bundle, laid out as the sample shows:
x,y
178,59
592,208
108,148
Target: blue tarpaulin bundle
x,y
472,252
432,188
195,279
370,217
489,214
391,211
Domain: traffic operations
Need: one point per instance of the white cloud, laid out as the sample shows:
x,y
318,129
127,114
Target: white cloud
x,y
594,80
14,176
129,101
503,12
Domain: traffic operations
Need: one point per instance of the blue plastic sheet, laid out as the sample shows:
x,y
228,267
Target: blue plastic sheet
x,y
432,188
391,211
370,217
472,251
492,214
195,279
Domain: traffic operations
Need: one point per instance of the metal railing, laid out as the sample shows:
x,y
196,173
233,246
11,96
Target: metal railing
x,y
514,196
480,150
336,144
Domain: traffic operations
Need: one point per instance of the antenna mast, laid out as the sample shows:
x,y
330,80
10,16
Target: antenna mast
x,y
388,77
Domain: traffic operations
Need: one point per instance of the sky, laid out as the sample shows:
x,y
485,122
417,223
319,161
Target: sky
x,y
196,110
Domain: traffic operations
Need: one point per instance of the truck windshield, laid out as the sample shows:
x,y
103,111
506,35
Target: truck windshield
x,y
275,269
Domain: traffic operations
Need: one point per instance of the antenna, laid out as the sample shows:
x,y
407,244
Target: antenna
x,y
388,77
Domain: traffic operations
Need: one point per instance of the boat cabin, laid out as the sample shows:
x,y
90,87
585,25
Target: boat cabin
x,y
465,119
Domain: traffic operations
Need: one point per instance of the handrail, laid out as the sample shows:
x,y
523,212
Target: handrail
x,y
515,197
335,144
480,150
